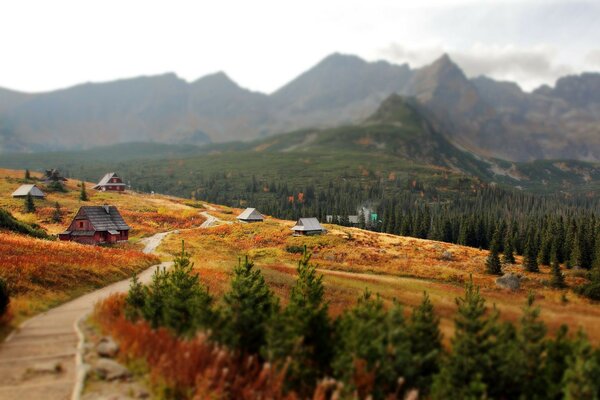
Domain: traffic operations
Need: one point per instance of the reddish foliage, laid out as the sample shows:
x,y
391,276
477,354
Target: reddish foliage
x,y
193,368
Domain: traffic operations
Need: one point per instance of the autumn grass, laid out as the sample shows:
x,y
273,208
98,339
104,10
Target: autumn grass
x,y
396,267
146,214
41,273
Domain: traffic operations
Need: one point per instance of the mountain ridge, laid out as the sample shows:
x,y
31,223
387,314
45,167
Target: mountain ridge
x,y
482,115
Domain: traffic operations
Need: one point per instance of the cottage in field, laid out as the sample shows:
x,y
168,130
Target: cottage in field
x,y
250,215
96,225
308,226
53,176
32,190
111,182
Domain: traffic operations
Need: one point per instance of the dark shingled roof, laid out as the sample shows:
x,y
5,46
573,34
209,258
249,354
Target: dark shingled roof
x,y
104,218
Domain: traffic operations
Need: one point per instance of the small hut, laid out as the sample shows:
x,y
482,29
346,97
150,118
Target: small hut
x,y
308,226
96,225
25,190
110,182
251,215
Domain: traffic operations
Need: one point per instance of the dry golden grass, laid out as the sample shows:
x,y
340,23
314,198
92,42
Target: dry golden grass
x,y
146,214
41,273
396,267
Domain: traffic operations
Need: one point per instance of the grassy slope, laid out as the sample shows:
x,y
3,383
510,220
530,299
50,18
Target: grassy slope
x,y
396,267
43,273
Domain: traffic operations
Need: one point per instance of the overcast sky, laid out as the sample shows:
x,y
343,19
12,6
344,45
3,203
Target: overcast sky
x,y
262,45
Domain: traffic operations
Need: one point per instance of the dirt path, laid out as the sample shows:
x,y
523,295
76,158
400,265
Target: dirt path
x,y
38,360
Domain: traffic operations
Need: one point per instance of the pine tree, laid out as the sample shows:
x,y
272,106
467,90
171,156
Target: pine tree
x,y
492,263
248,308
57,214
530,257
302,334
462,375
29,204
557,351
508,256
531,348
188,304
425,343
83,194
155,299
580,379
558,279
135,300
4,297
27,175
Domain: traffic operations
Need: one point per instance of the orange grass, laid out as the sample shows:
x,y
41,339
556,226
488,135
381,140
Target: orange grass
x,y
189,368
397,267
41,272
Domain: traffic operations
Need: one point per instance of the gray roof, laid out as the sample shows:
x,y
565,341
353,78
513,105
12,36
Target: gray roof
x,y
308,224
104,218
250,214
23,190
106,178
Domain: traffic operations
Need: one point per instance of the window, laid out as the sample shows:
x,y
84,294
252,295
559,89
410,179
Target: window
x,y
81,224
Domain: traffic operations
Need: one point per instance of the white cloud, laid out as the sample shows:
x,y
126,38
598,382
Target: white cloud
x,y
529,66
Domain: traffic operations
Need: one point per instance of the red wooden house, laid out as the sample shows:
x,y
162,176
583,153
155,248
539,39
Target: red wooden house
x,y
96,225
111,182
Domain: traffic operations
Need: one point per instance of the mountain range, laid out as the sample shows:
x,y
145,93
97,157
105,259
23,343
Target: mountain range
x,y
490,118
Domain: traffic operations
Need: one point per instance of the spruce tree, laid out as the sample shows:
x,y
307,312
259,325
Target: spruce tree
x,y
29,204
425,343
492,263
530,257
57,214
580,379
83,194
462,375
135,300
558,279
27,175
557,351
508,256
155,299
4,297
531,342
248,308
302,334
188,304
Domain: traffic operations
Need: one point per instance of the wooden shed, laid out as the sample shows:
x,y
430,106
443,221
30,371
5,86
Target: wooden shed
x,y
251,215
96,225
308,226
32,190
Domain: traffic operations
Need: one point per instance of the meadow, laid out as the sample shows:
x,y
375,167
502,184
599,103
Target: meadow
x,y
396,267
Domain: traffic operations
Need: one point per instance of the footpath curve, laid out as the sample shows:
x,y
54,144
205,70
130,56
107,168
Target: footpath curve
x,y
40,359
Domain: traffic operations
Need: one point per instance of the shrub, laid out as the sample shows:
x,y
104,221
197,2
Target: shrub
x,y
4,297
7,221
294,249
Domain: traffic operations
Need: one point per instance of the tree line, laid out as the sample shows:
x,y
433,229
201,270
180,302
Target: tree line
x,y
371,349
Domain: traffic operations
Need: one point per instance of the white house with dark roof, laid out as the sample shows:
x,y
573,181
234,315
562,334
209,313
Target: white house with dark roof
x,y
308,226
251,215
110,182
32,190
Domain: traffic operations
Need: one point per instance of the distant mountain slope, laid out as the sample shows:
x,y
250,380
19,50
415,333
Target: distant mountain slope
x,y
400,142
484,116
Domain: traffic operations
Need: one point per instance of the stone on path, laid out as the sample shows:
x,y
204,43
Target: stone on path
x,y
111,370
107,347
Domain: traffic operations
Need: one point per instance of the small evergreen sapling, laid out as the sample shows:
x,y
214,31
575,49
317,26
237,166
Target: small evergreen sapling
x,y
83,194
56,214
29,204
4,297
248,308
135,300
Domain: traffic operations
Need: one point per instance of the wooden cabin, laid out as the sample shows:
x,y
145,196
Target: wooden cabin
x,y
250,215
111,182
308,226
97,225
32,190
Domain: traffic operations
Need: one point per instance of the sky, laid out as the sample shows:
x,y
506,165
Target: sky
x,y
263,44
